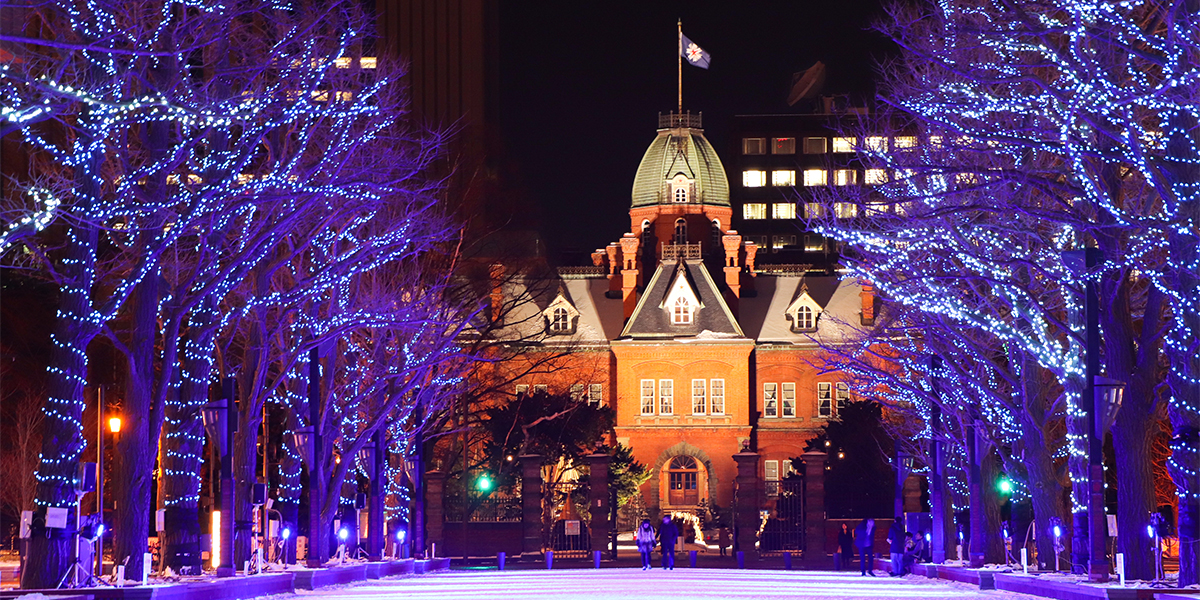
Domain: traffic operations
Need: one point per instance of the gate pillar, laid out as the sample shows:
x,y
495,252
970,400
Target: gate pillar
x,y
815,542
531,506
746,501
435,513
598,498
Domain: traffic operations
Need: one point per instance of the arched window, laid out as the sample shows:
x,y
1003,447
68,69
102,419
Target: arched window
x,y
561,320
681,231
681,313
682,480
804,318
681,194
716,235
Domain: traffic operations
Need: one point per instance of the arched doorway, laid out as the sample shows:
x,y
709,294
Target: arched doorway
x,y
683,481
681,236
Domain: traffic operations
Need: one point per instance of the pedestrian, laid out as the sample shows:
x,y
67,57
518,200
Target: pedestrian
x,y
645,542
667,535
911,552
723,539
895,540
864,540
846,544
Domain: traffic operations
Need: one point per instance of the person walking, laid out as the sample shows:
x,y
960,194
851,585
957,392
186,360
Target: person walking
x,y
723,539
645,542
846,544
895,540
864,540
667,535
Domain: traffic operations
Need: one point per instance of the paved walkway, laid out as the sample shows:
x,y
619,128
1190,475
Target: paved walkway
x,y
635,584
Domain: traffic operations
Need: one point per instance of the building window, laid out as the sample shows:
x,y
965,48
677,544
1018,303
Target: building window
x,y
844,145
845,210
825,400
596,394
680,231
845,177
522,389
783,211
843,395
539,389
561,322
682,480
904,141
789,399
875,177
716,234
577,392
754,178
814,145
815,177
681,313
779,241
804,319
786,178
771,470
814,210
647,396
680,194
699,397
770,399
875,143
666,397
814,243
754,145
717,398
783,146
754,210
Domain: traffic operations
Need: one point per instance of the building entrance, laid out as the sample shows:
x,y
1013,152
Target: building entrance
x,y
683,481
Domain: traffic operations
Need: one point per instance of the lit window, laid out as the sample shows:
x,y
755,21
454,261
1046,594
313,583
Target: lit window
x,y
783,211
717,399
779,241
814,243
875,176
814,210
680,231
522,389
754,178
699,396
844,145
904,141
875,208
770,400
965,179
783,146
845,210
789,399
595,394
561,321
813,177
814,145
904,208
783,178
681,313
647,396
875,143
681,194
754,210
804,318
824,400
577,392
843,395
845,177
666,397
771,470
754,145
539,389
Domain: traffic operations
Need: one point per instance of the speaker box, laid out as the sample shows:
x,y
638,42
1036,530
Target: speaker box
x,y
258,494
85,477
360,501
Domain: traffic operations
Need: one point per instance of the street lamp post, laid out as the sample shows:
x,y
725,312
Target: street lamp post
x,y
220,421
937,501
304,437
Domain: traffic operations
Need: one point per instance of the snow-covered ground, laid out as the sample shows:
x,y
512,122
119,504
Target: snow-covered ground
x,y
634,584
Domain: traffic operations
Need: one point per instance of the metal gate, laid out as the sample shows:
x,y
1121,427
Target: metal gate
x,y
566,519
784,529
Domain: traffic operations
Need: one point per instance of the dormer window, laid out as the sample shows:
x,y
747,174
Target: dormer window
x,y
681,313
804,318
803,312
560,317
681,194
560,322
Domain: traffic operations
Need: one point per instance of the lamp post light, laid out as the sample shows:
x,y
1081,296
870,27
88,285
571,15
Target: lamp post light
x,y
373,456
220,421
305,439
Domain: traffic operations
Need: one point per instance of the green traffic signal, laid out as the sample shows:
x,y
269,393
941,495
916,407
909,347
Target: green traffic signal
x,y
483,483
1004,485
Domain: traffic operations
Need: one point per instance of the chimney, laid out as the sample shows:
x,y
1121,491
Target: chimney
x,y
496,277
614,283
751,254
629,273
868,302
732,243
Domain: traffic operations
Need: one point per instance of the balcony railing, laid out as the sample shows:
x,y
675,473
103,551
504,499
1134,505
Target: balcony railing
x,y
678,120
672,252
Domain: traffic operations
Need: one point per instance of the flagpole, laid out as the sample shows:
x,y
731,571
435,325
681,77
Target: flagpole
x,y
679,59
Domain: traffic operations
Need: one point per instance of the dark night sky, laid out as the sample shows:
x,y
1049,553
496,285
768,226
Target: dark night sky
x,y
582,83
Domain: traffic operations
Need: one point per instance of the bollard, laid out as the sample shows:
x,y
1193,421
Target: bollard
x,y
596,558
837,561
1121,567
741,559
500,560
692,559
549,559
1025,560
787,561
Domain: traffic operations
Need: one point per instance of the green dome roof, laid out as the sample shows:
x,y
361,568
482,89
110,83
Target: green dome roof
x,y
675,151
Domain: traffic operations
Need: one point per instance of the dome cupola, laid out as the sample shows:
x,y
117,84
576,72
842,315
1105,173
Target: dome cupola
x,y
680,166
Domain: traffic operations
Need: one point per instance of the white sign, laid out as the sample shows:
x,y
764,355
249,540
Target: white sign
x,y
26,524
56,517
1112,525
160,519
571,528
